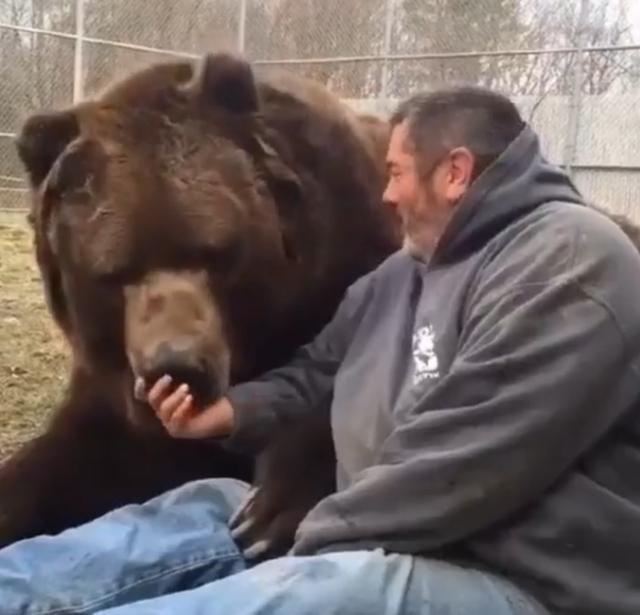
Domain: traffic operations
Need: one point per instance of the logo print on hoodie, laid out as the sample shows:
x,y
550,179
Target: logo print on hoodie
x,y
425,361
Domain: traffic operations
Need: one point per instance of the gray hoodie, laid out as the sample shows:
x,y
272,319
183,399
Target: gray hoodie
x,y
486,403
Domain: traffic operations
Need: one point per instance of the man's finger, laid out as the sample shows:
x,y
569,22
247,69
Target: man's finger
x,y
182,411
158,390
140,389
171,403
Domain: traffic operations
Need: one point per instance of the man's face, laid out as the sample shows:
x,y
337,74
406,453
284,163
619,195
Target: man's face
x,y
425,203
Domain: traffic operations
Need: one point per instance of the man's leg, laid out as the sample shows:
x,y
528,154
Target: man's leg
x,y
176,541
348,583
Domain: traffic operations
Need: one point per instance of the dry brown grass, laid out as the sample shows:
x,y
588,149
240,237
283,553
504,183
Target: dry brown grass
x,y
33,357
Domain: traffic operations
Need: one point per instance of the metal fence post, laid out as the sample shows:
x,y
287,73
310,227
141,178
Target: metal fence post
x,y
78,66
242,26
386,51
575,100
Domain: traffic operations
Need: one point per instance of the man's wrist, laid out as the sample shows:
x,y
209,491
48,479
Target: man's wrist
x,y
222,419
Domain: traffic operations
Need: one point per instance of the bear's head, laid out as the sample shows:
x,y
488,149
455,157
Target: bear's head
x,y
169,226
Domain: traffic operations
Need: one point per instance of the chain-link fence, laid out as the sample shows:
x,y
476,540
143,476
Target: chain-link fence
x,y
573,67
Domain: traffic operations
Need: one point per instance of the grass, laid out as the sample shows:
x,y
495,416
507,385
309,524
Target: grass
x,y
33,356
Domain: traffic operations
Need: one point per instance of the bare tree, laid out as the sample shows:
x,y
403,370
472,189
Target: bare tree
x,y
458,26
308,29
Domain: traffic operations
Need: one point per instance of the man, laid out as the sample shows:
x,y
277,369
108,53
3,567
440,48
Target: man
x,y
485,382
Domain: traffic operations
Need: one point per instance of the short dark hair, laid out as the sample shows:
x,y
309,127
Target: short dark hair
x,y
474,117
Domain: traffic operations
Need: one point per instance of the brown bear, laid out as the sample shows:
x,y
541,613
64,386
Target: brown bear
x,y
199,221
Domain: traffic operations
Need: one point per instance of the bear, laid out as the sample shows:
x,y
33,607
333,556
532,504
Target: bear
x,y
202,220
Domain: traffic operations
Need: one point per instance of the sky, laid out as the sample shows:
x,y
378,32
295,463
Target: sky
x,y
633,8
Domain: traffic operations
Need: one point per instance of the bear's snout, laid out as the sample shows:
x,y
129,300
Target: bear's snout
x,y
174,328
184,367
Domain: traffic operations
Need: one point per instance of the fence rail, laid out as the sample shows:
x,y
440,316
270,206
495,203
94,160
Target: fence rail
x,y
572,67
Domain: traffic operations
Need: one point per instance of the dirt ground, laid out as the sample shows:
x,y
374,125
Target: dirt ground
x,y
33,357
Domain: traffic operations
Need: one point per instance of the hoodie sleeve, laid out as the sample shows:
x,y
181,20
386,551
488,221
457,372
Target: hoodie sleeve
x,y
541,372
263,405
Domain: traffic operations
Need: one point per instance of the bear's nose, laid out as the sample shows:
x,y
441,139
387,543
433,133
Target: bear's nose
x,y
184,368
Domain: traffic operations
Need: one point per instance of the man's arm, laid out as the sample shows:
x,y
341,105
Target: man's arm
x,y
542,371
263,405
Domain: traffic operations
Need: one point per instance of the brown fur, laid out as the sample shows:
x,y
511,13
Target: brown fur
x,y
198,222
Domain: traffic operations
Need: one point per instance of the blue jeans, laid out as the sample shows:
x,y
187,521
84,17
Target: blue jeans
x,y
174,555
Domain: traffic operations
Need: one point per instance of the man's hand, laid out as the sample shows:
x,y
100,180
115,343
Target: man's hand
x,y
181,419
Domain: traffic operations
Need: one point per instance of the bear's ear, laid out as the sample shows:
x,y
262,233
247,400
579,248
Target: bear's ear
x,y
42,139
225,81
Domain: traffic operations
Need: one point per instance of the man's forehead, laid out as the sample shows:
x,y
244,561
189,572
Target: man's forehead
x,y
400,148
400,131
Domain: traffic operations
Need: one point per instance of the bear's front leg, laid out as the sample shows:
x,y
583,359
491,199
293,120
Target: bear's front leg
x,y
89,461
294,472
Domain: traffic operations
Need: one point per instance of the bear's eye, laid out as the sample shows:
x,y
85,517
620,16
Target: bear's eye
x,y
117,277
221,259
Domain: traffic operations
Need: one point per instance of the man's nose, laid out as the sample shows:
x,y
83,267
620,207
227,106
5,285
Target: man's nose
x,y
388,198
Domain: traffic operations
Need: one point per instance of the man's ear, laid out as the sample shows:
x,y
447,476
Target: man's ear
x,y
42,139
460,172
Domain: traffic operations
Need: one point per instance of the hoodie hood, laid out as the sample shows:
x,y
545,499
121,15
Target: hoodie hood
x,y
516,183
